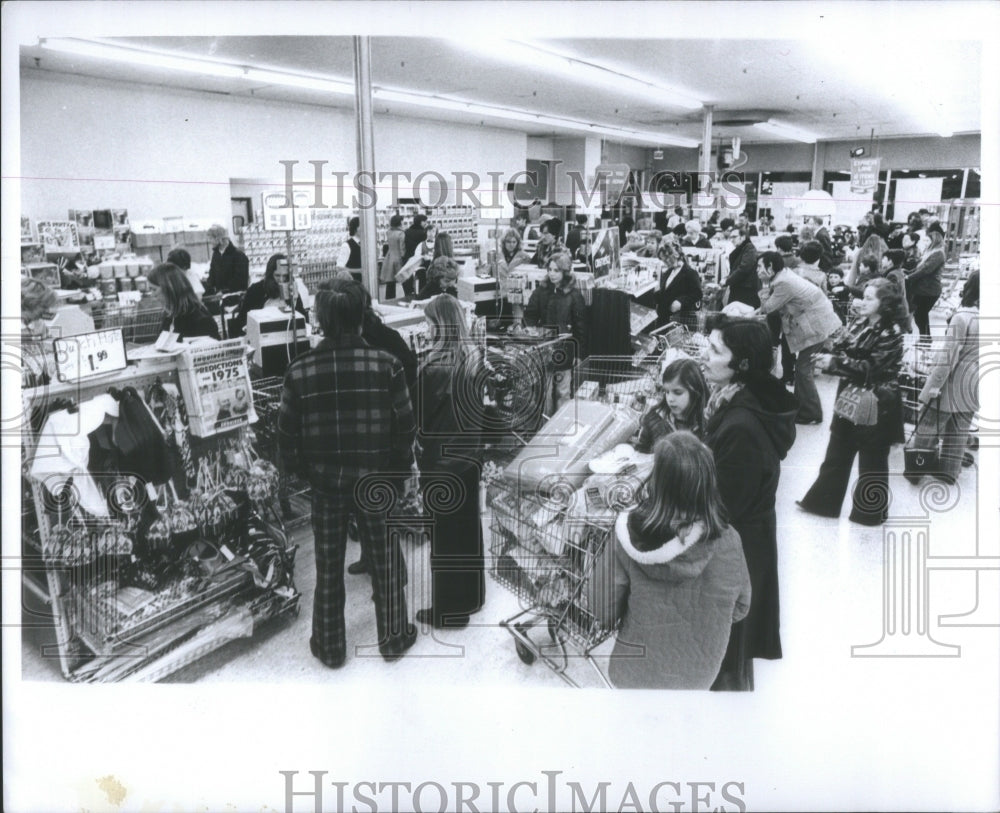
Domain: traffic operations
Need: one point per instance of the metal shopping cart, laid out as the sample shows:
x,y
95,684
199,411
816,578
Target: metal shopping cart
x,y
517,375
140,325
293,492
544,549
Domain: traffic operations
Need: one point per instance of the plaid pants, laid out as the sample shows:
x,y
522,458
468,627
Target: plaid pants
x,y
330,513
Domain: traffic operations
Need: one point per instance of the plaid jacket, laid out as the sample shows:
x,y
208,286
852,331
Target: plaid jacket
x,y
345,412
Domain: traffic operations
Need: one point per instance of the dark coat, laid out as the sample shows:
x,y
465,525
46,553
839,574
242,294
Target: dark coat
x,y
382,337
742,281
229,271
191,324
253,300
684,288
449,414
749,437
412,238
871,357
561,308
925,279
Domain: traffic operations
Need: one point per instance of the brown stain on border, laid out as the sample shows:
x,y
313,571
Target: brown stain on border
x,y
113,789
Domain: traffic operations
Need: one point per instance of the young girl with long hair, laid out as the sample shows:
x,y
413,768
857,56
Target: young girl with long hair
x,y
683,396
674,575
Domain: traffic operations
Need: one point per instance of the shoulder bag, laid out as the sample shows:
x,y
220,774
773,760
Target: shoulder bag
x,y
920,461
857,405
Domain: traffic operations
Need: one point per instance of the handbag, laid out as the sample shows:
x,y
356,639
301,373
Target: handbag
x,y
857,405
920,461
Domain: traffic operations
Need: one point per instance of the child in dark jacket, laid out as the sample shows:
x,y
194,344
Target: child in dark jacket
x,y
839,293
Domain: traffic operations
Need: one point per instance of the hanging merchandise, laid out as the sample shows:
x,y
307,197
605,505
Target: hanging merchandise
x,y
144,531
63,451
139,439
215,381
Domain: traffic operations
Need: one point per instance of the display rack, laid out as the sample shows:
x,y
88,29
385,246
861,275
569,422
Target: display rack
x,y
319,244
962,228
167,625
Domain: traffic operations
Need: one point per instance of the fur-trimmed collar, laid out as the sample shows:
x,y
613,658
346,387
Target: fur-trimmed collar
x,y
665,553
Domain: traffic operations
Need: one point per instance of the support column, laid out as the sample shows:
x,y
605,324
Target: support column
x,y
366,160
816,181
705,169
705,165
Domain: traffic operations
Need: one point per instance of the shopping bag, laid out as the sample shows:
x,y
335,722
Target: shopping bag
x,y
857,405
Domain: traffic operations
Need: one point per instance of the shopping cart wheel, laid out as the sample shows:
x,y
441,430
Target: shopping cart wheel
x,y
526,655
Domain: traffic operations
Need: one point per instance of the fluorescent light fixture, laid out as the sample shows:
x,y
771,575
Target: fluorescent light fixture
x,y
299,80
551,60
156,59
462,106
786,131
137,56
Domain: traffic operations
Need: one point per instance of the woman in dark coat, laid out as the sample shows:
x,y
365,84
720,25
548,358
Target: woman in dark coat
x,y
868,356
267,290
923,283
442,278
679,297
449,415
413,238
557,303
742,281
750,428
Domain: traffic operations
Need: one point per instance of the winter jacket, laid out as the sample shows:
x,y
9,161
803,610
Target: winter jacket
x,y
749,437
870,356
925,279
742,281
562,308
677,604
684,288
807,315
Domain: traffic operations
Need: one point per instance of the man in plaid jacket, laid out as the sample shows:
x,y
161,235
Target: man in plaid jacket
x,y
345,416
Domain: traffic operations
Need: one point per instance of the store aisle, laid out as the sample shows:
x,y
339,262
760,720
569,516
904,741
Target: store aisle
x,y
831,599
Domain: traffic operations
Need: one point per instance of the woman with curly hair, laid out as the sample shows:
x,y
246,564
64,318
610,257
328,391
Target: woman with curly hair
x,y
868,356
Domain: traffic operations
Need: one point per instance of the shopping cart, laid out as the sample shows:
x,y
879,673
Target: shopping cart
x,y
517,375
139,325
614,380
293,492
544,549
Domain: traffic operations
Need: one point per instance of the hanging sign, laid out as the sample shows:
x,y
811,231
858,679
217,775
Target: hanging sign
x,y
611,179
215,382
605,254
864,175
280,216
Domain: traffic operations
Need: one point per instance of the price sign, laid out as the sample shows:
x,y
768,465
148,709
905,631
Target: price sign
x,y
280,214
89,354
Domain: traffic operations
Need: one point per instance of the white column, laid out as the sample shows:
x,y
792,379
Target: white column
x,y
366,159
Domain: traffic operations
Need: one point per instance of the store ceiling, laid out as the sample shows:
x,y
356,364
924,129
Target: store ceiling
x,y
893,91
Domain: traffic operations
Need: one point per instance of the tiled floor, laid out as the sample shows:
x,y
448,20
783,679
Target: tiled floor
x,y
832,578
